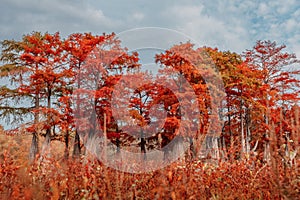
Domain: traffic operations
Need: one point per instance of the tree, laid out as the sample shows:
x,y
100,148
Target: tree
x,y
278,77
11,100
189,67
79,46
14,68
45,58
97,76
242,84
37,65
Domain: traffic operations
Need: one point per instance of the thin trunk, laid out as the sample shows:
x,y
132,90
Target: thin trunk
x,y
212,147
76,145
208,146
67,138
93,123
34,148
224,155
76,148
242,130
118,142
46,144
89,141
105,137
192,148
118,145
143,145
248,132
267,153
165,147
215,148
230,134
287,136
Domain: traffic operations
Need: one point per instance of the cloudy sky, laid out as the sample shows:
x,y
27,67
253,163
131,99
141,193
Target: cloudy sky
x,y
227,24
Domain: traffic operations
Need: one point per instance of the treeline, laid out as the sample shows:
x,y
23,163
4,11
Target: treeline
x,y
66,88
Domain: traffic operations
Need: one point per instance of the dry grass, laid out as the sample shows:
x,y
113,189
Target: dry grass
x,y
55,178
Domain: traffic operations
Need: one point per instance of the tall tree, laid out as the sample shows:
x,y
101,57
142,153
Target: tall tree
x,y
45,57
79,46
101,70
189,67
15,68
11,100
276,70
37,65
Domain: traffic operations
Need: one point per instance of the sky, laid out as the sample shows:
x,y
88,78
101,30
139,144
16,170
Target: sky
x,y
233,25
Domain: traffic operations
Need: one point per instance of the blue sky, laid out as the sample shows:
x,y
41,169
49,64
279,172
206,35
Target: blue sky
x,y
227,24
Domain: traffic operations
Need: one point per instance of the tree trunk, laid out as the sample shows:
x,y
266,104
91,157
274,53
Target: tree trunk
x,y
248,132
230,133
76,145
45,152
67,138
211,147
166,147
76,148
89,142
118,145
267,153
192,148
143,145
243,150
34,148
215,148
46,144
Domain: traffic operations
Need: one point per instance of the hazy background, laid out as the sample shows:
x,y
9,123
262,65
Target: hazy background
x,y
229,25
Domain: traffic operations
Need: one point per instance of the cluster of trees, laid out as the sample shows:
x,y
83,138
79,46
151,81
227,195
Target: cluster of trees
x,y
57,83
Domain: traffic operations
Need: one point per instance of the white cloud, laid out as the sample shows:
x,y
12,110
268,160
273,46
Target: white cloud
x,y
64,16
291,25
294,42
137,16
263,9
209,27
230,25
283,6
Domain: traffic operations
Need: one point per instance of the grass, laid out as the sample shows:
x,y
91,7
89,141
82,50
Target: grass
x,y
83,178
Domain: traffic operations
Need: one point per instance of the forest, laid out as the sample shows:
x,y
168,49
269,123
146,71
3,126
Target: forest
x,y
82,120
